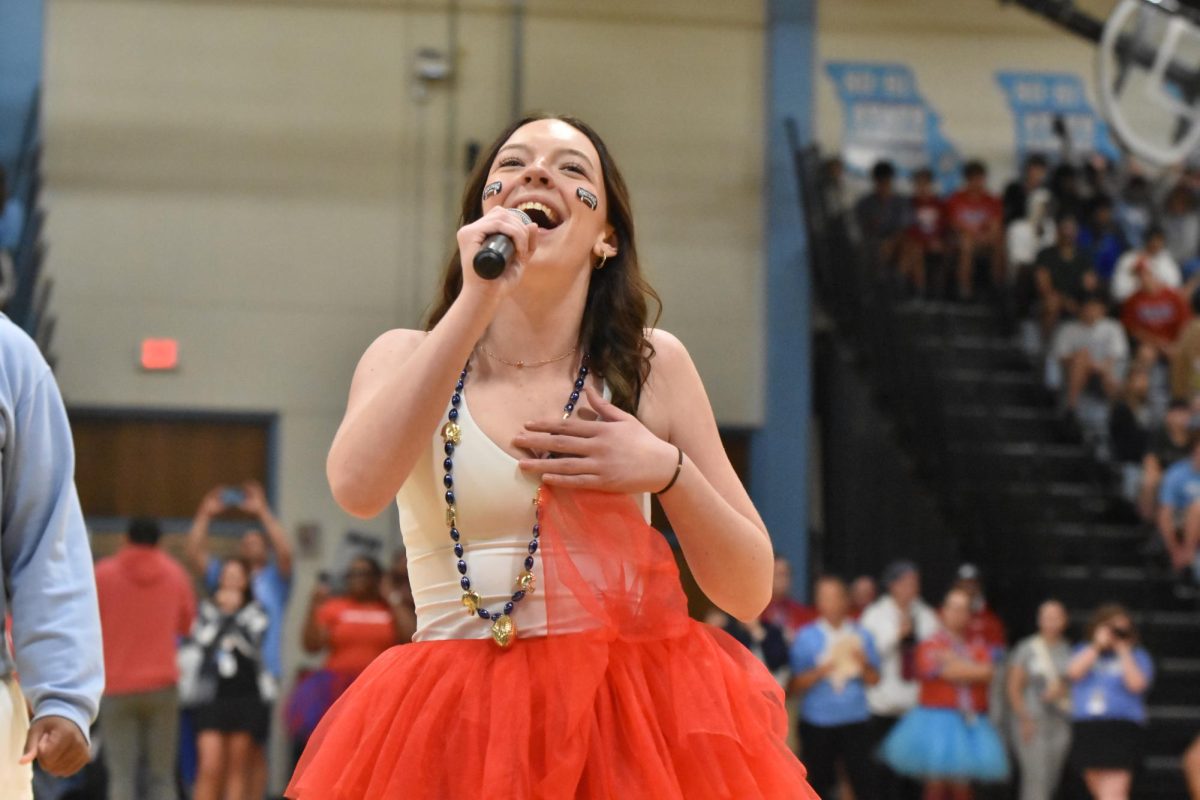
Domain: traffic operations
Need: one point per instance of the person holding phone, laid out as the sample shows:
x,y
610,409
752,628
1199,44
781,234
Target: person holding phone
x,y
268,551
1110,676
232,689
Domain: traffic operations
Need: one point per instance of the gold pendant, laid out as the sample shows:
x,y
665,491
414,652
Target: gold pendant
x,y
504,630
451,517
526,581
452,433
472,601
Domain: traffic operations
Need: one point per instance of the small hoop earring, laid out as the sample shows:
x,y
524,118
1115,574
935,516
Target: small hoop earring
x,y
603,258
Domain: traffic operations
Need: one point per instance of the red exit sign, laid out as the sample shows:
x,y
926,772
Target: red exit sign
x,y
160,355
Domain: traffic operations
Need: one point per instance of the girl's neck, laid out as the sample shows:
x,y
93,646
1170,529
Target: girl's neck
x,y
538,322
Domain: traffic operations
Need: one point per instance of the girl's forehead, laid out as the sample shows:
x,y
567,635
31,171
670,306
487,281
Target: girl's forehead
x,y
551,134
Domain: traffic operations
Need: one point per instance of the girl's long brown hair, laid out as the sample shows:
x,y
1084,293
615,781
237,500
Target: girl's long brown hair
x,y
616,314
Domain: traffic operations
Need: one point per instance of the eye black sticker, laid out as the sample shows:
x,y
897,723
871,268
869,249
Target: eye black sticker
x,y
491,189
590,200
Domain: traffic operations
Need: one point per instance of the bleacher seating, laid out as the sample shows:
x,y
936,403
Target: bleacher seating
x,y
1035,506
29,306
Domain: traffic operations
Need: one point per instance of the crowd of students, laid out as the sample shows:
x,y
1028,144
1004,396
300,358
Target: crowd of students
x,y
897,699
194,662
1099,265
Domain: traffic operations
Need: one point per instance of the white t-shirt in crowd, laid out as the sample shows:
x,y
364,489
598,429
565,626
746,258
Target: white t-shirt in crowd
x,y
1125,279
1105,339
893,695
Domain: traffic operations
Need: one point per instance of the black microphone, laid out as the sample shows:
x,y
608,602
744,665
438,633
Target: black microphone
x,y
497,251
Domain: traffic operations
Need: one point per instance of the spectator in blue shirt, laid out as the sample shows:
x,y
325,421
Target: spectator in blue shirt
x,y
1102,239
46,567
1179,508
833,661
269,553
1110,676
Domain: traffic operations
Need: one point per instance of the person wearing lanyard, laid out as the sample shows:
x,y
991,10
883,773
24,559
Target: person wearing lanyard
x,y
1110,677
947,740
1039,696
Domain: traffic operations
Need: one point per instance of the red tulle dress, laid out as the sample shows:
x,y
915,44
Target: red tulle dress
x,y
609,691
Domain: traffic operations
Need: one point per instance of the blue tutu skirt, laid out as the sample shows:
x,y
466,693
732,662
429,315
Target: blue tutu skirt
x,y
943,744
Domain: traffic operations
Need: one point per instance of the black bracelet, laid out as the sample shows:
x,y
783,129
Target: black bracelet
x,y
678,469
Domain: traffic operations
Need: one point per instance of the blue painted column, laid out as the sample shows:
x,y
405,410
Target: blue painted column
x,y
779,450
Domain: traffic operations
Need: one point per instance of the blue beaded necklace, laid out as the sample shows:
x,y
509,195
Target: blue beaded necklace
x,y
504,630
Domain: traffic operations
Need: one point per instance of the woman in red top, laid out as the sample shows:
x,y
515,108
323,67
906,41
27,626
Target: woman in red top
x,y
358,626
947,740
354,629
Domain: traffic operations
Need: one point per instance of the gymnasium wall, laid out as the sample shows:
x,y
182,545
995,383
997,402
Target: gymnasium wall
x,y
264,181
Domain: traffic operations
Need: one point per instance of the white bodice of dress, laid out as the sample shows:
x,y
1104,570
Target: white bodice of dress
x,y
494,501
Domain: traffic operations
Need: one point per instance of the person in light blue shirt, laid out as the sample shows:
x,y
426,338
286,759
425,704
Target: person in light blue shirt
x,y
1110,676
833,661
1179,509
47,567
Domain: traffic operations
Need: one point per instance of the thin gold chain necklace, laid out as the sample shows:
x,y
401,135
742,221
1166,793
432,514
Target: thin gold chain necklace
x,y
523,364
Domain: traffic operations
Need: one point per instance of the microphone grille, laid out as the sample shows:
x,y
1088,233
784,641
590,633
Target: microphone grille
x,y
524,217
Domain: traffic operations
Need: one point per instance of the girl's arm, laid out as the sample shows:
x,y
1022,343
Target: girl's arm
x,y
964,670
722,537
402,382
1015,687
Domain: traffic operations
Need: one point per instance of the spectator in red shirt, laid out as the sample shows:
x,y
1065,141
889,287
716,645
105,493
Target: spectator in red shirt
x,y
983,626
1154,316
785,611
356,627
353,629
976,223
947,740
924,244
146,606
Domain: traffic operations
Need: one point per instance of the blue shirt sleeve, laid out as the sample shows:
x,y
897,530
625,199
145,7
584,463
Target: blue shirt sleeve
x,y
1167,493
1146,665
805,649
47,561
281,585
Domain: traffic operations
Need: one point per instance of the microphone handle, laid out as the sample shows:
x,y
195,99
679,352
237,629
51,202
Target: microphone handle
x,y
493,256
492,259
